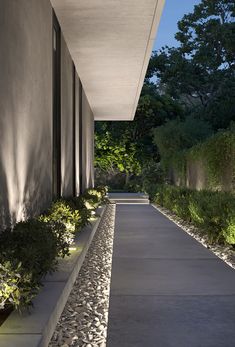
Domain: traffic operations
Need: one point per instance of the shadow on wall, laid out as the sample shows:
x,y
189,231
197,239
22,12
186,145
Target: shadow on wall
x,y
25,109
21,174
66,121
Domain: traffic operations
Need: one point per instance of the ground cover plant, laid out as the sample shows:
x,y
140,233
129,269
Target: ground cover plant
x,y
213,212
31,249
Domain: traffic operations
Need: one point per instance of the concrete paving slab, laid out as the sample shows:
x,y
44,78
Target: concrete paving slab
x,y
135,276
169,321
148,224
20,340
143,215
155,244
34,321
114,195
129,198
167,290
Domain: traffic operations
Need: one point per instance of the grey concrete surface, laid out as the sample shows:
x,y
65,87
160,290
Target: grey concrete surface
x,y
111,44
66,120
167,290
25,109
128,198
78,133
20,340
26,113
172,321
87,144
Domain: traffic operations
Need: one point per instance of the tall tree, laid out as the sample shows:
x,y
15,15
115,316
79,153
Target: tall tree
x,y
201,71
194,81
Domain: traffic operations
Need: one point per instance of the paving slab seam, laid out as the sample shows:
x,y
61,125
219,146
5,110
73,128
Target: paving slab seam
x,y
161,258
176,295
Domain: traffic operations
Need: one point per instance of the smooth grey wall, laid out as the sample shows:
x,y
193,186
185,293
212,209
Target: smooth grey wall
x,y
87,144
25,108
26,113
66,121
78,91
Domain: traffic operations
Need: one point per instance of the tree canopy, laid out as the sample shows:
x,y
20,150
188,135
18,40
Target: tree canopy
x,y
189,93
201,71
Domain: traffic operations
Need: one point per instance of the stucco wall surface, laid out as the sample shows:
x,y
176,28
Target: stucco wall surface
x,y
66,121
87,144
78,116
25,108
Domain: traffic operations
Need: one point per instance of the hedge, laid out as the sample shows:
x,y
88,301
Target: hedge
x,y
217,155
213,212
31,249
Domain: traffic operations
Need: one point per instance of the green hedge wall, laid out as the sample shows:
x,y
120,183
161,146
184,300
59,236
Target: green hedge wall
x,y
214,212
217,155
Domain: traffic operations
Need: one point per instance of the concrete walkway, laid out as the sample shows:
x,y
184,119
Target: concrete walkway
x,y
167,290
130,198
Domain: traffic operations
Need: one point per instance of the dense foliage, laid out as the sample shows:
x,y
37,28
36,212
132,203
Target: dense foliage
x,y
217,155
188,95
28,253
200,71
31,249
176,135
214,212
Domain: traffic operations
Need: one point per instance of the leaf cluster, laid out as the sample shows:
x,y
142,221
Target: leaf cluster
x,y
213,212
31,249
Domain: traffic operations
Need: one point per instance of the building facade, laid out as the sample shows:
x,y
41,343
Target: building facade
x,y
64,64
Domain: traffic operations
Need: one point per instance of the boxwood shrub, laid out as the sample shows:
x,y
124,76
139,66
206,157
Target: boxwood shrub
x,y
79,204
17,286
60,211
31,249
214,212
27,254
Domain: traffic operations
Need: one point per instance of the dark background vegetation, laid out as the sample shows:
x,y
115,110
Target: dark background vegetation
x,y
188,98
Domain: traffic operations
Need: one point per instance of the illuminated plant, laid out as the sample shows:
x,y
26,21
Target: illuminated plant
x,y
213,212
61,212
16,286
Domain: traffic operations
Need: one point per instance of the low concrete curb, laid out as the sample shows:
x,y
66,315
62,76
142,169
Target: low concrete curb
x,y
35,329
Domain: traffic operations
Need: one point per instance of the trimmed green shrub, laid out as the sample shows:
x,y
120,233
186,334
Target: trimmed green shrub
x,y
75,213
16,286
103,190
79,203
214,212
64,238
92,199
87,203
61,212
27,253
33,244
30,250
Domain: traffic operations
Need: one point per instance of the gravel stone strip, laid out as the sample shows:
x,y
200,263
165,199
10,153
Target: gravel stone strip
x,y
224,252
84,320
